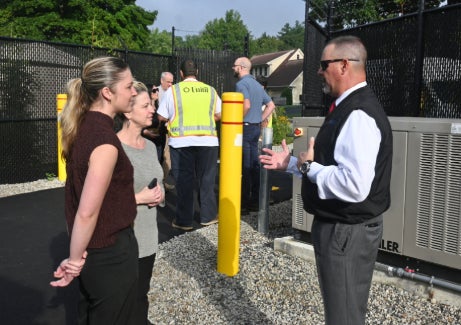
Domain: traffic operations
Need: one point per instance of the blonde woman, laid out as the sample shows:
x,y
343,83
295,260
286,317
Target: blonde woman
x,y
143,156
100,204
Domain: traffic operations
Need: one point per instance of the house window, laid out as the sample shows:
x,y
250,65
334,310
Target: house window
x,y
265,72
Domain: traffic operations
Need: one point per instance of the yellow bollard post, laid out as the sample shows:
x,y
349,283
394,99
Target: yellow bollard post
x,y
230,180
61,100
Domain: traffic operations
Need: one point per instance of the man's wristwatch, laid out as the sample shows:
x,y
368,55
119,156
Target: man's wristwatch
x,y
305,167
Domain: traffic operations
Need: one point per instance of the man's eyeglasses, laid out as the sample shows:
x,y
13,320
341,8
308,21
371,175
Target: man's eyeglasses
x,y
324,63
238,65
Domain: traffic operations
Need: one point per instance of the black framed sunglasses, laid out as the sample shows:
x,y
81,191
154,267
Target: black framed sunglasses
x,y
324,63
154,90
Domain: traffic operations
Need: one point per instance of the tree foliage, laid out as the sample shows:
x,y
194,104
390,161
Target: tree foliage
x,y
113,24
288,38
159,42
292,37
265,44
350,13
225,33
122,24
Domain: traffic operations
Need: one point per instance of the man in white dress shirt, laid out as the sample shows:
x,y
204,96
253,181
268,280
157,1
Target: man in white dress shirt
x,y
346,184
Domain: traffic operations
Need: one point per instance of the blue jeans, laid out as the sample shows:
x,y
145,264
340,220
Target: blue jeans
x,y
194,166
250,168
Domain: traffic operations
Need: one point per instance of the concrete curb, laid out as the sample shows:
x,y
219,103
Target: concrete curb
x,y
293,247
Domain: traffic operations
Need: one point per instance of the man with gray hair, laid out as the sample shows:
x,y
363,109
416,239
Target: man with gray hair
x,y
166,80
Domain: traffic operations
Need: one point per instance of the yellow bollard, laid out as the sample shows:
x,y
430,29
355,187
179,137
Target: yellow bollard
x,y
61,100
230,180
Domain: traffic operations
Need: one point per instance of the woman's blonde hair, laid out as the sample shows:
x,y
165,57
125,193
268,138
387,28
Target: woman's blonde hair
x,y
83,92
140,87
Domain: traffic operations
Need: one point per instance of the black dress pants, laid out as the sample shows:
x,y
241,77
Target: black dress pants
x,y
146,264
109,283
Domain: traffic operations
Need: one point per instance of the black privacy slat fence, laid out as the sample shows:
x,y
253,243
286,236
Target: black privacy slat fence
x,y
32,73
414,67
410,78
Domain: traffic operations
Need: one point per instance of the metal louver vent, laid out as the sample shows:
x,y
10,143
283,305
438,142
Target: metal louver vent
x,y
299,212
439,193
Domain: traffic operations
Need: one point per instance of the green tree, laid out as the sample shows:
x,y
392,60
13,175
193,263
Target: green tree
x,y
191,41
113,24
358,12
159,42
225,33
292,37
265,44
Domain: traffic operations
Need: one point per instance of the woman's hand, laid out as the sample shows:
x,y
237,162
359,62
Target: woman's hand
x,y
151,197
67,271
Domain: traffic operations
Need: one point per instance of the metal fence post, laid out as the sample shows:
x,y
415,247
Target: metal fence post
x,y
264,188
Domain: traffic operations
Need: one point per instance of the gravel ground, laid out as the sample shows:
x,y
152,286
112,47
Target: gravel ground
x,y
21,188
270,287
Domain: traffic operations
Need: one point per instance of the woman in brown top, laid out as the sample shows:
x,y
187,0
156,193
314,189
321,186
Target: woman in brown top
x,y
100,204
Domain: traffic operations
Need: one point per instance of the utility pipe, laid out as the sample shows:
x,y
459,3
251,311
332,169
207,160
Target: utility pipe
x,y
398,271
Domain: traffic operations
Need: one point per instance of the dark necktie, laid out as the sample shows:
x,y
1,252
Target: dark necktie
x,y
332,107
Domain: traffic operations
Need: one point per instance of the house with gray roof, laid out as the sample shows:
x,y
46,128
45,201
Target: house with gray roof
x,y
284,73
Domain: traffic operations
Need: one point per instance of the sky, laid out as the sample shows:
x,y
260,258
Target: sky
x,y
190,16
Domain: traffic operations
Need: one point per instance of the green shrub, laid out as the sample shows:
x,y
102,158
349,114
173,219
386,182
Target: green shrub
x,y
50,176
282,126
288,94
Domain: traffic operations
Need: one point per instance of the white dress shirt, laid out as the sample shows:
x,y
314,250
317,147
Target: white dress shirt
x,y
355,152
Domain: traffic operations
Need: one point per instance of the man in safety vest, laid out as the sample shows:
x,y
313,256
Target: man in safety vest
x,y
192,109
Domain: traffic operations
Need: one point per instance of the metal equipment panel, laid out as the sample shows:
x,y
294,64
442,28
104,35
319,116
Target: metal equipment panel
x,y
424,220
433,209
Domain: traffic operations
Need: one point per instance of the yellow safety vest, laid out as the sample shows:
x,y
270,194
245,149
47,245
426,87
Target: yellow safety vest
x,y
269,118
195,105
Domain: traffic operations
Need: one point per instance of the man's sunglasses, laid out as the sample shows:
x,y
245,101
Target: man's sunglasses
x,y
324,64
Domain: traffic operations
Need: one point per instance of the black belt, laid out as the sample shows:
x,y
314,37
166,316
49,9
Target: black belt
x,y
246,123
